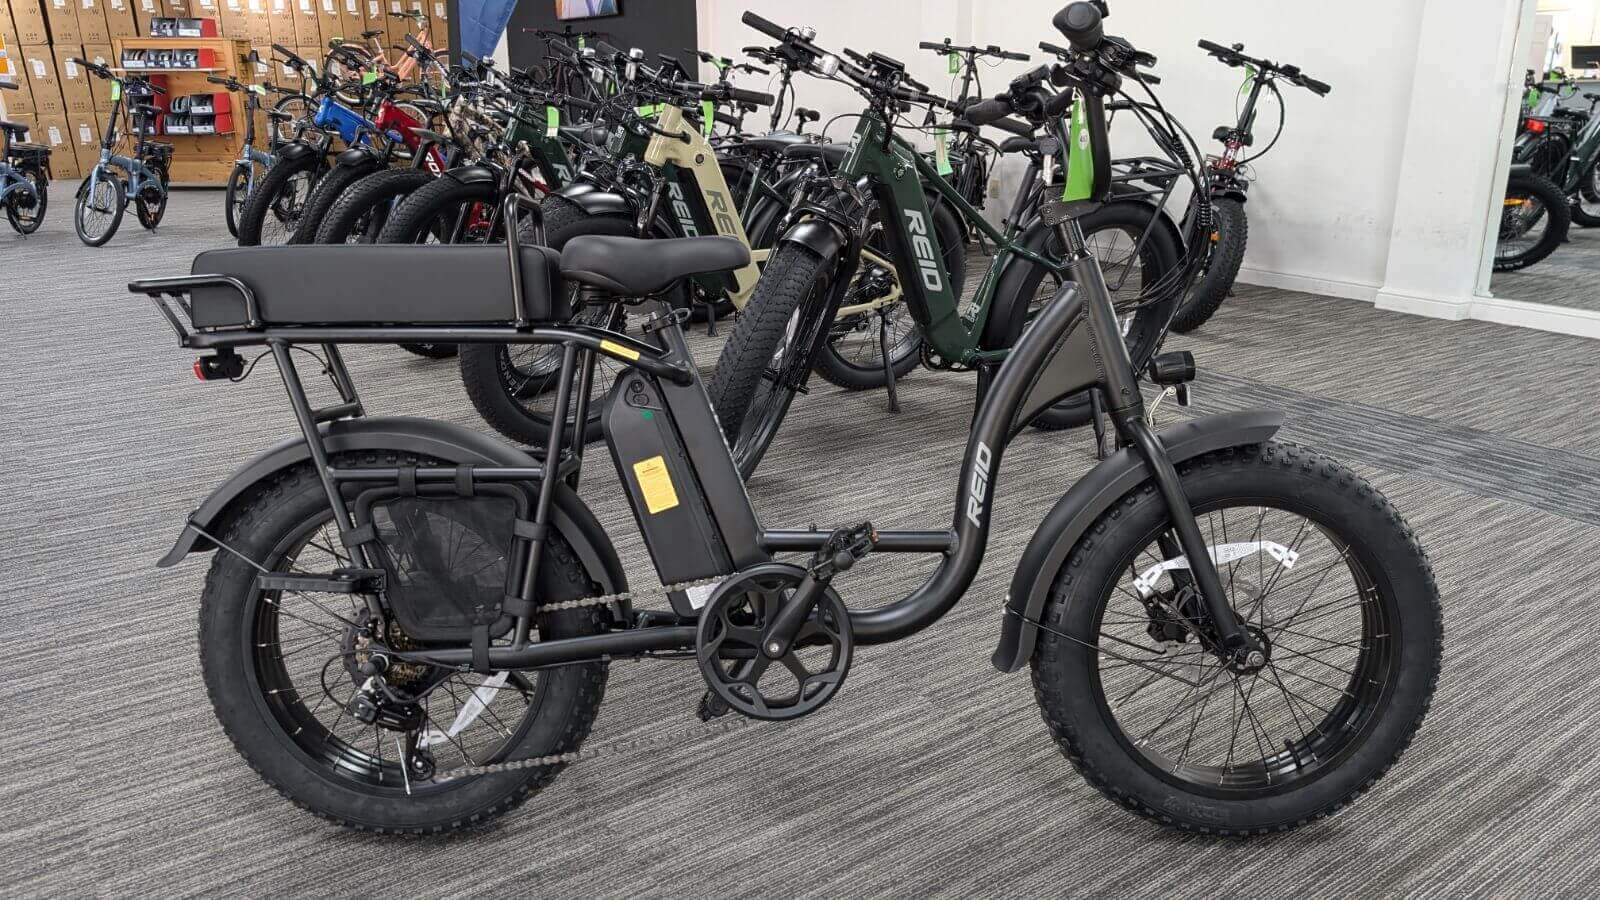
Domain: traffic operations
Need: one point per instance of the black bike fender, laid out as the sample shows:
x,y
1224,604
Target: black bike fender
x,y
1006,321
475,174
595,200
819,236
1095,493
358,156
423,436
294,150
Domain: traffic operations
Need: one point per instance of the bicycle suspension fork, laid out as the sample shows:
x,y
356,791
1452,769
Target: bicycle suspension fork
x,y
1126,407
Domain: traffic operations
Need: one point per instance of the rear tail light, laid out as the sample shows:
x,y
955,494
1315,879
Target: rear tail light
x,y
1536,126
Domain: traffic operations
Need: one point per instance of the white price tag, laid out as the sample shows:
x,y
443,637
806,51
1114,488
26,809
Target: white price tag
x,y
351,8
305,6
55,136
438,11
288,69
84,134
208,4
329,8
262,69
149,6
38,68
72,69
60,4
118,5
394,6
280,5
88,4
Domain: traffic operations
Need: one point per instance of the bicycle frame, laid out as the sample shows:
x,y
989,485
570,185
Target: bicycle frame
x,y
899,178
139,175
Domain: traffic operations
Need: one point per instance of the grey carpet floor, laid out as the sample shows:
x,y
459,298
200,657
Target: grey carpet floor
x,y
1568,277
929,774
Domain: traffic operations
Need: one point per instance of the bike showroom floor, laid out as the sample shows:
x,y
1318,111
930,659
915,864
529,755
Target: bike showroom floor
x,y
930,773
1564,278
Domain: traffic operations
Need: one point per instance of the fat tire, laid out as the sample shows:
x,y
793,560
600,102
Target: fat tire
x,y
41,182
268,189
481,363
792,274
324,195
1385,545
1556,207
1232,227
233,201
383,186
408,222
276,506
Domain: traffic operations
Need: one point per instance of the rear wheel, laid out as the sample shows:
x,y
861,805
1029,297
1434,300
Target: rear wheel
x,y
25,211
273,211
281,666
1229,232
98,212
1534,220
1328,580
151,203
243,177
1586,207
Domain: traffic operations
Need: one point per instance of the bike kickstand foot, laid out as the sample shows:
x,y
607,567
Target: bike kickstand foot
x,y
711,318
888,364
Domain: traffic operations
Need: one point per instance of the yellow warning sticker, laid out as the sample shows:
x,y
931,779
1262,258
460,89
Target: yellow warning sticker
x,y
655,482
623,351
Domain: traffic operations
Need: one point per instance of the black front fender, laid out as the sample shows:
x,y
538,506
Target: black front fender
x,y
594,200
474,174
295,150
1095,493
822,238
441,440
359,156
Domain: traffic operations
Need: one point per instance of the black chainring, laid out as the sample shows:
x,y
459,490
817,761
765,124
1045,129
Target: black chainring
x,y
729,639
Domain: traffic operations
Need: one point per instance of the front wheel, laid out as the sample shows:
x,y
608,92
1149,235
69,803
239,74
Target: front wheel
x,y
240,180
282,666
1534,220
274,209
25,211
1328,580
1229,232
98,213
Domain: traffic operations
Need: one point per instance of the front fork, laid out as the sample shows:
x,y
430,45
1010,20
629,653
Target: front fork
x,y
1125,406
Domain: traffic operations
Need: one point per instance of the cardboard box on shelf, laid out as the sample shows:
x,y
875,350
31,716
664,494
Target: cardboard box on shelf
x,y
99,88
92,23
280,18
120,21
55,134
74,80
63,20
19,101
144,11
328,22
207,9
39,66
258,28
178,9
27,18
313,55
8,31
351,21
307,28
396,26
235,20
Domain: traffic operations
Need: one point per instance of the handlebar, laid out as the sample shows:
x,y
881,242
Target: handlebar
x,y
991,50
767,28
1235,56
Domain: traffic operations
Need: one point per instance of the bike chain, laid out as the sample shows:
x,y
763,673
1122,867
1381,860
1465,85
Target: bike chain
x,y
682,736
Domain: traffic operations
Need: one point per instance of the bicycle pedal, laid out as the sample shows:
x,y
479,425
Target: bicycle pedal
x,y
712,707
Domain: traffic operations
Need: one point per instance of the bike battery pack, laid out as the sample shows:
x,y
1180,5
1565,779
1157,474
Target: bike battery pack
x,y
668,502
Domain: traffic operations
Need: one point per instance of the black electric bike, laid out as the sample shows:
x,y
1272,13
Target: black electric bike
x,y
1230,180
408,625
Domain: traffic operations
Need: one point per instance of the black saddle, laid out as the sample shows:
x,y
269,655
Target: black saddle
x,y
1019,145
832,154
634,267
776,142
588,134
15,130
377,284
372,33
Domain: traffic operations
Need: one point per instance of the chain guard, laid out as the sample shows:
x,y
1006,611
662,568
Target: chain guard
x,y
728,646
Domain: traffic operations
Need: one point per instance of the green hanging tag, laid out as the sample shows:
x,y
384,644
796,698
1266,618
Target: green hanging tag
x,y
1080,161
1249,73
256,88
581,42
552,121
941,152
708,117
649,112
116,91
955,63
369,77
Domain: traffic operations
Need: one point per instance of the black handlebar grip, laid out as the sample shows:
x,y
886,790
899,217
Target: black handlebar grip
x,y
986,112
9,86
1081,24
1210,47
1320,88
215,80
1019,57
762,25
755,97
1014,126
915,83
930,45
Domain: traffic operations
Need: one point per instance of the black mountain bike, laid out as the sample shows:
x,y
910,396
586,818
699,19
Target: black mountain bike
x,y
410,624
1230,180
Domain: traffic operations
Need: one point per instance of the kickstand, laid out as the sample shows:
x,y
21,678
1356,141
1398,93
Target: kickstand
x,y
1096,414
711,318
888,364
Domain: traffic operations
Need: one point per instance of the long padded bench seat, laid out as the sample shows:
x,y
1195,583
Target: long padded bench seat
x,y
377,284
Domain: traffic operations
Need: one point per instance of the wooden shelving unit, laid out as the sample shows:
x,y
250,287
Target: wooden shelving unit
x,y
198,160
